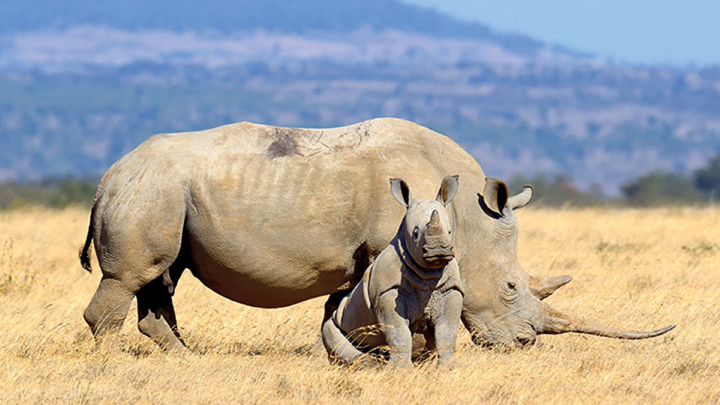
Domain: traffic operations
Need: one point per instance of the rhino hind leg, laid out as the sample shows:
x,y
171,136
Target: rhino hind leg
x,y
156,314
338,347
332,303
135,247
108,309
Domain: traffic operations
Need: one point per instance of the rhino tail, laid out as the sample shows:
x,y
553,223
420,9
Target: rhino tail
x,y
85,250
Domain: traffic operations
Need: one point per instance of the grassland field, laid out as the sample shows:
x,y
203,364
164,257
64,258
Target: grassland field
x,y
640,269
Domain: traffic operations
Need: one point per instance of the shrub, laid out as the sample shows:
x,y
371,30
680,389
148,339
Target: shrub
x,y
659,188
707,179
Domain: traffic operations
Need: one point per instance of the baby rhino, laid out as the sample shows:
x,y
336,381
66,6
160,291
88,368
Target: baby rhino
x,y
413,287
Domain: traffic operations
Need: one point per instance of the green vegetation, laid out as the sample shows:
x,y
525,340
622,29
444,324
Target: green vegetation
x,y
707,179
652,189
659,188
557,191
56,193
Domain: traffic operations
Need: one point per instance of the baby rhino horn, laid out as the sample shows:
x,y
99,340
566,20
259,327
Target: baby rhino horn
x,y
434,225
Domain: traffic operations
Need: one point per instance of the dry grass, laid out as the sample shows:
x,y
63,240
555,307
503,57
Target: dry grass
x,y
644,269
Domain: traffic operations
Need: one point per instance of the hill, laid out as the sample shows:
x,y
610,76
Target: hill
x,y
82,84
228,17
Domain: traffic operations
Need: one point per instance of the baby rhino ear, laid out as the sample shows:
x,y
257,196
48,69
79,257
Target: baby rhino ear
x,y
400,191
448,190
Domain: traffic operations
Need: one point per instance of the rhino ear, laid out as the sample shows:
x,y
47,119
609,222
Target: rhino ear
x,y
495,196
400,191
448,190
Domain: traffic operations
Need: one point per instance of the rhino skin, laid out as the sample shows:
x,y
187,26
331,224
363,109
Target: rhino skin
x,y
413,287
269,217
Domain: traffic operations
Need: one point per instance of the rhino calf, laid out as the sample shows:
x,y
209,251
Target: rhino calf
x,y
413,287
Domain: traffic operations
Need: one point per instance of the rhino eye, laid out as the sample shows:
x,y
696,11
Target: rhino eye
x,y
415,232
508,292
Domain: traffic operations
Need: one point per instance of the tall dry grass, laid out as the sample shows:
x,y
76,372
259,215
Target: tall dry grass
x,y
634,268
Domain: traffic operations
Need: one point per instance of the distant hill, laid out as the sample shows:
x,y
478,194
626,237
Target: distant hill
x,y
82,83
222,16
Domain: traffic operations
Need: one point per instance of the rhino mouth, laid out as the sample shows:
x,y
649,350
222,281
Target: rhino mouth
x,y
438,256
493,342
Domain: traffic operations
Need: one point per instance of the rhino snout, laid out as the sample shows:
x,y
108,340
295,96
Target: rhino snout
x,y
438,254
524,341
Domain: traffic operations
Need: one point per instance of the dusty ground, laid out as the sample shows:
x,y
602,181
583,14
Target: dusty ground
x,y
643,269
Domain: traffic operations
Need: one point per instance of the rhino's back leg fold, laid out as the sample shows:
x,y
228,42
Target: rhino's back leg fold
x,y
156,314
337,345
330,306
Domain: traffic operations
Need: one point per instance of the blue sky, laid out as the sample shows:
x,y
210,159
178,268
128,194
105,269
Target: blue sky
x,y
676,32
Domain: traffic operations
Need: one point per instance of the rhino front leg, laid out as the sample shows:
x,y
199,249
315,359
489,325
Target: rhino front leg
x,y
396,328
445,330
156,314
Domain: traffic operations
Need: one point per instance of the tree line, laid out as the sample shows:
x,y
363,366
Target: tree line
x,y
652,189
656,188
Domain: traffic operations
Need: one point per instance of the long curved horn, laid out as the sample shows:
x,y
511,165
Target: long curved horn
x,y
556,322
522,199
543,287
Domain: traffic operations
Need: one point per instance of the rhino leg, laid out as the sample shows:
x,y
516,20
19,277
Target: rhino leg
x,y
337,345
136,242
445,329
107,311
396,328
331,305
156,314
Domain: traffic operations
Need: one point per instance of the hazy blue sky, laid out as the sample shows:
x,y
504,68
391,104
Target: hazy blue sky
x,y
678,32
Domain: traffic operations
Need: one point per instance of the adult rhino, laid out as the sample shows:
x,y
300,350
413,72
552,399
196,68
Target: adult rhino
x,y
269,217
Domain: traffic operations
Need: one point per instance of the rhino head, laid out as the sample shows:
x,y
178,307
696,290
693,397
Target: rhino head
x,y
427,229
505,308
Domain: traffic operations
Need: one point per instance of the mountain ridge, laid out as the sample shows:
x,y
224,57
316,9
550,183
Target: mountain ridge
x,y
294,16
74,98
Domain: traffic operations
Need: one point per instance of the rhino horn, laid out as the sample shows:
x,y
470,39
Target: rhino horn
x,y
434,226
522,199
556,322
543,287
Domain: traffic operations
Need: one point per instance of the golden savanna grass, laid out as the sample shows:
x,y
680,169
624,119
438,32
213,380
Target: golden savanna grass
x,y
636,268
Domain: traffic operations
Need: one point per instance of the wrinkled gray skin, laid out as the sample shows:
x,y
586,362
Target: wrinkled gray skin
x,y
413,287
270,217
